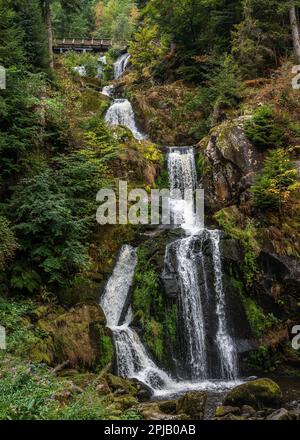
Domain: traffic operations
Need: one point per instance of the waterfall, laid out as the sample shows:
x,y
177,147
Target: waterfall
x,y
121,113
132,358
108,90
120,65
209,356
195,294
183,177
191,308
227,351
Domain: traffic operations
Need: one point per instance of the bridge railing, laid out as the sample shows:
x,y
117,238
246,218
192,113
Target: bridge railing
x,y
72,42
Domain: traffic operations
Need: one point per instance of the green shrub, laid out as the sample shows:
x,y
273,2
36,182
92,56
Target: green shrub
x,y
89,61
247,237
276,183
265,130
8,243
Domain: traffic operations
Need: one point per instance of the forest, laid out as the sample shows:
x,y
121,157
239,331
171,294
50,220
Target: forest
x,y
220,76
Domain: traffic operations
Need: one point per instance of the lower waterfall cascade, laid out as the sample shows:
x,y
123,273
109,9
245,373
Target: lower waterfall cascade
x,y
132,358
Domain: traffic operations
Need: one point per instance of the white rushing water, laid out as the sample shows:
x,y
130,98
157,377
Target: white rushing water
x,y
226,347
132,358
108,90
120,65
121,113
194,292
183,178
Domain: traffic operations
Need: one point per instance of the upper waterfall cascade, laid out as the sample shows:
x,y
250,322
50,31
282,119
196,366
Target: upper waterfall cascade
x,y
121,113
120,65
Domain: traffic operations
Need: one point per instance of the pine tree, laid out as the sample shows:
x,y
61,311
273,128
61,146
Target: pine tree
x,y
11,37
30,19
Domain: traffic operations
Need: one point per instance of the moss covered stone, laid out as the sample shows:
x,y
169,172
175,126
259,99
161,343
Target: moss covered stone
x,y
192,404
258,393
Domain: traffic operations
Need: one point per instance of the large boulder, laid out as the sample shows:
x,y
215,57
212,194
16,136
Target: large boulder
x,y
258,393
75,338
231,164
192,404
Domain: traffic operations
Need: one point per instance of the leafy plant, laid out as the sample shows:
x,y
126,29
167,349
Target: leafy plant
x,y
277,182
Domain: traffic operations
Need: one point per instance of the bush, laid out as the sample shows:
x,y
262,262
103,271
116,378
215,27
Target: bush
x,y
8,243
276,183
89,61
247,235
265,130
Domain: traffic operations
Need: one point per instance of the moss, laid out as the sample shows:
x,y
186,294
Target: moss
x,y
200,164
258,393
106,351
154,335
248,237
171,322
153,313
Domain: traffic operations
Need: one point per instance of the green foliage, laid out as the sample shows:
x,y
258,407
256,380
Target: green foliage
x,y
11,37
147,303
50,235
107,351
162,181
30,19
145,50
259,322
265,130
157,319
8,244
220,94
261,37
200,164
88,60
116,19
247,236
21,122
276,183
171,320
69,22
26,393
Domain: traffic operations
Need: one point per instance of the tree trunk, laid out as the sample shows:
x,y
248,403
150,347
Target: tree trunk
x,y
47,11
295,33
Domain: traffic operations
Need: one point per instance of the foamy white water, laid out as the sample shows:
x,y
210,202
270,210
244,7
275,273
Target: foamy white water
x,y
120,65
121,113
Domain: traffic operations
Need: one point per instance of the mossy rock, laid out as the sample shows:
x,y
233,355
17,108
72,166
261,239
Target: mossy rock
x,y
258,393
77,336
119,383
192,404
222,411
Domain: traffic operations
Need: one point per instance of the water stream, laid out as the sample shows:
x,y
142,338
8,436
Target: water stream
x,y
202,304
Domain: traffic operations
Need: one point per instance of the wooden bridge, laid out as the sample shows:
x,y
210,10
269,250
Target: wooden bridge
x,y
78,45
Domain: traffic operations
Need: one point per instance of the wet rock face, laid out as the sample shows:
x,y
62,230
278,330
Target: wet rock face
x,y
231,164
281,276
